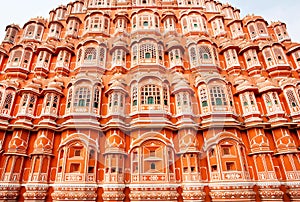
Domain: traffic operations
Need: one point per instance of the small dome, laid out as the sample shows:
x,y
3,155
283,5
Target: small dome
x,y
42,143
17,144
188,142
115,142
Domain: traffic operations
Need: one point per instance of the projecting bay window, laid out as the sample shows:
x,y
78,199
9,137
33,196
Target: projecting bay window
x,y
249,104
231,58
183,103
77,7
27,104
292,100
20,59
147,53
145,21
54,31
236,30
116,103
11,34
44,60
203,99
211,6
175,58
33,31
274,56
219,98
281,33
272,103
119,58
60,14
193,23
91,56
296,57
257,29
251,58
97,23
150,97
218,26
228,12
63,59
83,99
121,24
51,103
6,100
72,27
169,24
203,55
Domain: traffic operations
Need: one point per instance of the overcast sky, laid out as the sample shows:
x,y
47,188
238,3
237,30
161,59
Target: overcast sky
x,y
272,10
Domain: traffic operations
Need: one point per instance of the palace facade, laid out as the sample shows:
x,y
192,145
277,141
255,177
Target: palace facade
x,y
149,100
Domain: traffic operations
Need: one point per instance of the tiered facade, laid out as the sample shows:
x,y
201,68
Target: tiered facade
x,y
149,100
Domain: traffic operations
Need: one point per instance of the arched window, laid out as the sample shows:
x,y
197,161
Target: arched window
x,y
203,98
102,55
147,51
252,31
261,28
70,95
175,57
251,58
272,102
291,98
33,31
274,56
82,97
43,61
20,58
145,21
153,167
27,104
96,98
11,33
29,31
97,23
218,96
166,96
150,94
236,30
248,102
72,28
50,104
231,58
205,54
134,96
193,56
54,31
279,55
119,57
8,102
77,7
90,54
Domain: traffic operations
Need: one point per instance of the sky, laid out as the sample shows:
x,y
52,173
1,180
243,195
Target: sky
x,y
272,10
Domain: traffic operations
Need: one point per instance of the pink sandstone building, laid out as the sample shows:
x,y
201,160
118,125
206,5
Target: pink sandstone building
x,y
149,100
